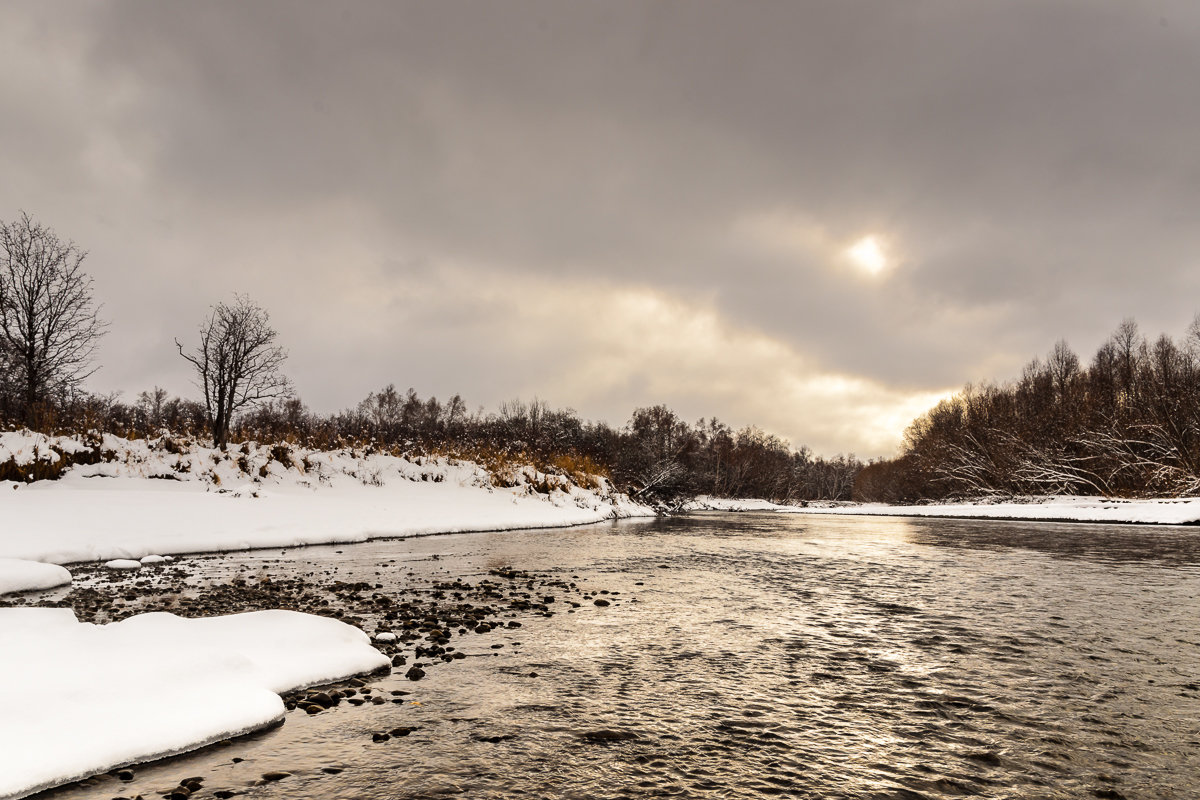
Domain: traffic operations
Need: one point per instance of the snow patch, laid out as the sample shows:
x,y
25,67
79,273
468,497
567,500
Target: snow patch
x,y
19,575
81,699
706,503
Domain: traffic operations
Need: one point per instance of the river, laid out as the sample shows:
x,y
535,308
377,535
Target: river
x,y
744,655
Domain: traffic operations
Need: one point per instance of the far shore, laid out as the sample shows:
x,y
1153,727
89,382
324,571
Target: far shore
x,y
1097,510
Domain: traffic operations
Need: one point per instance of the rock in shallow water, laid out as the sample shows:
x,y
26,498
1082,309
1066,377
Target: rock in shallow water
x,y
605,736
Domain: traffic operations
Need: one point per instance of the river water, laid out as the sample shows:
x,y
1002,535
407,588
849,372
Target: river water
x,y
769,654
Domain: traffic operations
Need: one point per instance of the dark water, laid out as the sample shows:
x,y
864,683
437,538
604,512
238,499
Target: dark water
x,y
782,655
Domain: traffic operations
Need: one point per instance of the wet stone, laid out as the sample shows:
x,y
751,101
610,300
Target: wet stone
x,y
605,736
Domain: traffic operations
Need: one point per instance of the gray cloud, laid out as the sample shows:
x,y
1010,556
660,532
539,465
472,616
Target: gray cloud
x,y
1030,166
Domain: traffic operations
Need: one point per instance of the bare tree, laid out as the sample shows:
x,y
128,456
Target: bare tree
x,y
49,326
150,407
1063,366
237,363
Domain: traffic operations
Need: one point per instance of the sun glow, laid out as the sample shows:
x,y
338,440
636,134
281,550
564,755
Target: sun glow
x,y
868,255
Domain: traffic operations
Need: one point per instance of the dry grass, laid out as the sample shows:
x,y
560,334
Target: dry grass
x,y
581,469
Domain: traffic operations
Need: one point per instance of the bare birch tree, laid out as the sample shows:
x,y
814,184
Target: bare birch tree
x,y
237,363
49,325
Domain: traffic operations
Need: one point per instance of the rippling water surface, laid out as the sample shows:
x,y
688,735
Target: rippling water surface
x,y
760,654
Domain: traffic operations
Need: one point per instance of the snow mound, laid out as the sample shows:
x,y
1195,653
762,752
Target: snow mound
x,y
19,575
81,699
25,447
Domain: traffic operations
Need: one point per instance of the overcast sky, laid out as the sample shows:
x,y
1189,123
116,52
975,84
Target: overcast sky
x,y
817,217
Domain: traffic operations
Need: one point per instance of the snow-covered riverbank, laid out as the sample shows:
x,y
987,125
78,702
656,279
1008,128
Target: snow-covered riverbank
x,y
161,496
80,699
1164,511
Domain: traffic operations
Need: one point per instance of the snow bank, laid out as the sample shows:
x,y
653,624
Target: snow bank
x,y
25,447
18,575
163,496
1168,511
79,699
706,503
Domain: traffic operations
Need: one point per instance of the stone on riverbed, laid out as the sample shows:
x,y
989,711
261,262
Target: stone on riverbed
x,y
605,736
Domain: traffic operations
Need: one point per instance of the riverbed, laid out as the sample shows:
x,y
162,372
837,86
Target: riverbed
x,y
740,655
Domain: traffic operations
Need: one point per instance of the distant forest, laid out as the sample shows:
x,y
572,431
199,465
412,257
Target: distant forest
x,y
656,456
1125,425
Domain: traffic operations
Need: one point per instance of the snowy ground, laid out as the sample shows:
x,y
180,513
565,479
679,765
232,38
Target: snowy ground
x,y
706,503
1167,511
80,699
157,497
1069,509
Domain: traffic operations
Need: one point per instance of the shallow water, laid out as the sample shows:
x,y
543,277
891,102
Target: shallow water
x,y
768,654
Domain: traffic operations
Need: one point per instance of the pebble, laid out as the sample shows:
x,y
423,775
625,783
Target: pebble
x,y
605,736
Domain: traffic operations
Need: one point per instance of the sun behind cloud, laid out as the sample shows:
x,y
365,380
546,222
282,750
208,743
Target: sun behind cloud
x,y
868,255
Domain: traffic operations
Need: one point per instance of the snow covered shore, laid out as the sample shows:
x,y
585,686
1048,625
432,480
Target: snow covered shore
x,y
161,496
19,575
80,699
1165,511
706,503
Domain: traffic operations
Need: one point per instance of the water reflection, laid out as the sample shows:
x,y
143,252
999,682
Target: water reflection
x,y
1168,545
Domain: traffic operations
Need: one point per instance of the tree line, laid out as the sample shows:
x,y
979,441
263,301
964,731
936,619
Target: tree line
x,y
1127,424
50,327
